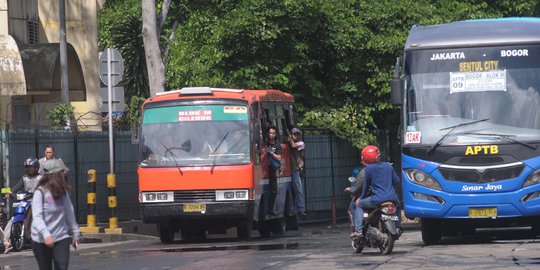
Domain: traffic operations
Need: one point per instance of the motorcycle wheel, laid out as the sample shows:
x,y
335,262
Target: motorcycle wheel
x,y
17,240
388,245
356,246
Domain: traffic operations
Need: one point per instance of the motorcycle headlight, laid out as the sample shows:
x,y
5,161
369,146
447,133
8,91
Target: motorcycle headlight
x,y
423,179
534,178
20,196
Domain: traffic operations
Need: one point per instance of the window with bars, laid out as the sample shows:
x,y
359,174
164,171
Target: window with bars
x,y
32,31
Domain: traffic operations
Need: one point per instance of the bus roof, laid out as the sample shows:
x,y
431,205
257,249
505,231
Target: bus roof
x,y
474,33
221,93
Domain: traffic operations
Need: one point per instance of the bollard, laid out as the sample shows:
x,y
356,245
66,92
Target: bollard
x,y
113,219
91,199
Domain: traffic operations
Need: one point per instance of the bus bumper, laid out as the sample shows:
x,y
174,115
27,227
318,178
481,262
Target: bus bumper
x,y
427,203
157,212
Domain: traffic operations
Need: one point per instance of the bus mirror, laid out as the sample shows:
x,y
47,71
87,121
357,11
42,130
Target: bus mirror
x,y
396,86
396,91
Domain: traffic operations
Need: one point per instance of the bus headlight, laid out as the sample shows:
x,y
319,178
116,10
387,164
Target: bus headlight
x,y
162,196
534,178
423,179
232,195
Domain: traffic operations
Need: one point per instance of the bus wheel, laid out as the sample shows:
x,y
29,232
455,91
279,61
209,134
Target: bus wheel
x,y
264,228
166,234
431,231
243,230
292,222
278,226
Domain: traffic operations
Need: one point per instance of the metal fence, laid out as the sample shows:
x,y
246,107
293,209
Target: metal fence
x,y
329,161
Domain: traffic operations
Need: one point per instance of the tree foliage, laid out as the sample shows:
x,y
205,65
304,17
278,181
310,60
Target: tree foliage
x,y
336,57
60,115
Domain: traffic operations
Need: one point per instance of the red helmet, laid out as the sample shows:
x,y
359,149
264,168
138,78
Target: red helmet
x,y
370,154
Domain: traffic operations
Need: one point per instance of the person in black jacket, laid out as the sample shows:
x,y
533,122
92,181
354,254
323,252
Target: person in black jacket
x,y
273,148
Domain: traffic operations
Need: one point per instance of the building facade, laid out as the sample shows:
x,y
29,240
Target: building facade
x,y
34,26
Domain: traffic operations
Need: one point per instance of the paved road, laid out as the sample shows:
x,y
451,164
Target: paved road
x,y
313,247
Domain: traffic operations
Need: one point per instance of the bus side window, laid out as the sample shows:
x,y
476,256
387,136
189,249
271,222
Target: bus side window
x,y
270,115
280,118
265,121
289,116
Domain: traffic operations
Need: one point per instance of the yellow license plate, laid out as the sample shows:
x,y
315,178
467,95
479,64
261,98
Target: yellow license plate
x,y
482,212
195,207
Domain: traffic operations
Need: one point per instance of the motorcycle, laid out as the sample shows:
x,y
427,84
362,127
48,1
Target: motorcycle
x,y
379,230
18,233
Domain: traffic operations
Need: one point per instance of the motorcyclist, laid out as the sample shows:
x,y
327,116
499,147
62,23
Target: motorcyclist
x,y
380,178
27,183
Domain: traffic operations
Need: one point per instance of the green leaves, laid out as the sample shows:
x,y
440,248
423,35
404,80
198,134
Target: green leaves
x,y
60,115
351,121
336,57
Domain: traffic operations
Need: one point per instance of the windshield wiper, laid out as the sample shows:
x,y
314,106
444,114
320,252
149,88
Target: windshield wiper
x,y
215,150
451,130
169,150
504,137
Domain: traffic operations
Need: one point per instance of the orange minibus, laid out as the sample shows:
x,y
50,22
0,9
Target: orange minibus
x,y
203,165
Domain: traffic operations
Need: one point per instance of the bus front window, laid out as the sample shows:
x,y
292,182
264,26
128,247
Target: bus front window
x,y
477,85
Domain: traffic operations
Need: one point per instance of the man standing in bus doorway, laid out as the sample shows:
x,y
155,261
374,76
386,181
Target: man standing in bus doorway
x,y
273,148
297,147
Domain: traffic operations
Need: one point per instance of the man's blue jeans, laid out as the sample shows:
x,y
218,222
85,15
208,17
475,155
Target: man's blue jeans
x,y
358,212
298,190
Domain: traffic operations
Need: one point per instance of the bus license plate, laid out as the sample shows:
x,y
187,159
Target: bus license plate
x,y
482,212
194,207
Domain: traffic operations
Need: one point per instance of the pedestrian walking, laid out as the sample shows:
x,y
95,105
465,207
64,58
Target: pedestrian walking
x,y
54,226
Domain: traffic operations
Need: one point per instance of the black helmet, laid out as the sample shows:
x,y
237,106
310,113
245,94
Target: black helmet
x,y
31,162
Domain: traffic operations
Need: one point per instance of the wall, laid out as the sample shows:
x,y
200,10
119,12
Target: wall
x,y
81,33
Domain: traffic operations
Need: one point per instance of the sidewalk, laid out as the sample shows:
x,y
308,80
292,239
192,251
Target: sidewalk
x,y
131,230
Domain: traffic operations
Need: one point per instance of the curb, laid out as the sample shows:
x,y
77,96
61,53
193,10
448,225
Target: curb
x,y
107,238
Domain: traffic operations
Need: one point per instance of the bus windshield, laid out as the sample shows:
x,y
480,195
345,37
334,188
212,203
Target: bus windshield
x,y
445,88
199,135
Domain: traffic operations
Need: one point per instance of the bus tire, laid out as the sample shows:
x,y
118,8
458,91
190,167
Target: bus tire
x,y
278,226
431,231
264,228
244,230
291,217
292,222
263,225
166,234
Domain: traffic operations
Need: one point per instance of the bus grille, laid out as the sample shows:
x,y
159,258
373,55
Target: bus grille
x,y
487,176
194,195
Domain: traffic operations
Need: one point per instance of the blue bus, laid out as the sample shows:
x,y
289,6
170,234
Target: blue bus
x,y
469,93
